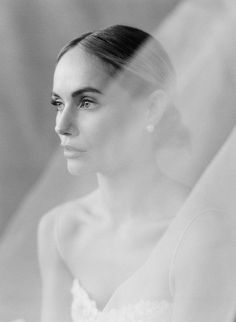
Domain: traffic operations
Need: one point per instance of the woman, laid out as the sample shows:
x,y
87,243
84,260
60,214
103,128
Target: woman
x,y
122,249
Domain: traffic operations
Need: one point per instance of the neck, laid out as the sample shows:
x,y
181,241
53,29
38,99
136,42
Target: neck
x,y
133,191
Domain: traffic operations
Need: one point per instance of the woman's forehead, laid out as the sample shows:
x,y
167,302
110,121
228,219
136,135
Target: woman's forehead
x,y
77,68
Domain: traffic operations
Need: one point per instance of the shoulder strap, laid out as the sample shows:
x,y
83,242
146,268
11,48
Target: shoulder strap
x,y
180,241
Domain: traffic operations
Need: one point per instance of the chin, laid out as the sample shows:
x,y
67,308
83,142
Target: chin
x,y
76,168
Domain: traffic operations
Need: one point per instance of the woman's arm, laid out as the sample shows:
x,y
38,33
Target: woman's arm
x,y
56,279
205,271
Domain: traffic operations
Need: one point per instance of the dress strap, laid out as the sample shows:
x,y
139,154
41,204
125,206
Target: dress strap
x,y
180,241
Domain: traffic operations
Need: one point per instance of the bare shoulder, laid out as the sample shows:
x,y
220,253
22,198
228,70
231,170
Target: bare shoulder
x,y
210,227
68,216
205,261
210,233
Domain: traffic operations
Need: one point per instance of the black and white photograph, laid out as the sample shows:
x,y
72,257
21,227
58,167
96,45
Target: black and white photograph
x,y
118,161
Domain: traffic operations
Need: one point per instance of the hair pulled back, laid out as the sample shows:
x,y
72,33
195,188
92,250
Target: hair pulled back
x,y
142,63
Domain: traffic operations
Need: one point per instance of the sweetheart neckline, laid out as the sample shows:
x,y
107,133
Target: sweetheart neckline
x,y
103,310
93,303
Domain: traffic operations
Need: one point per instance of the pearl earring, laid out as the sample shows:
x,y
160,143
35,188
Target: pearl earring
x,y
150,128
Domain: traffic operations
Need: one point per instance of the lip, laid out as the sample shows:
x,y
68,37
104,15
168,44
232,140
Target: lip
x,y
71,152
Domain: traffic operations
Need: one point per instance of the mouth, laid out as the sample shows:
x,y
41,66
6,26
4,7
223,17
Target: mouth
x,y
72,153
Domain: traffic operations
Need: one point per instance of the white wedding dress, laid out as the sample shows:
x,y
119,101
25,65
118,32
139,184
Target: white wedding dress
x,y
84,309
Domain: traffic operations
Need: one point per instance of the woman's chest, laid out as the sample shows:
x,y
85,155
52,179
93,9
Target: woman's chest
x,y
114,269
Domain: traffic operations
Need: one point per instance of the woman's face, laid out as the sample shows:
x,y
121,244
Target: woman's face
x,y
100,126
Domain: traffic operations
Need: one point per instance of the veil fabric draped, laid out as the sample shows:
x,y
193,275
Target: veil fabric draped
x,y
200,38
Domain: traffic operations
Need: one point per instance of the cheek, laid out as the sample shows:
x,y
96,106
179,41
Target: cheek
x,y
101,130
113,136
111,129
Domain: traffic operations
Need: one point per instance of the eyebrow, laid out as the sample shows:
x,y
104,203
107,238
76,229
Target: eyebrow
x,y
81,91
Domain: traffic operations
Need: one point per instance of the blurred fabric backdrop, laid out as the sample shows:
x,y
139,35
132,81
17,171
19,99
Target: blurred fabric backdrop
x,y
33,176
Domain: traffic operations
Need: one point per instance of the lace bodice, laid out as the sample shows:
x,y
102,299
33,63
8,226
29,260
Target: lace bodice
x,y
84,309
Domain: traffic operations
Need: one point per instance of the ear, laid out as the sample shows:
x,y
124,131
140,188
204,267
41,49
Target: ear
x,y
157,104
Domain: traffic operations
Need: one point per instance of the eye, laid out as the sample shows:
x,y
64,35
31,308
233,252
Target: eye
x,y
87,104
57,104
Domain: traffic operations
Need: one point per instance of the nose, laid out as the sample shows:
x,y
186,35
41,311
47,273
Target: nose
x,y
65,123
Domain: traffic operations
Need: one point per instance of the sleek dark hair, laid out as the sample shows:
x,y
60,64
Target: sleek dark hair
x,y
140,60
125,48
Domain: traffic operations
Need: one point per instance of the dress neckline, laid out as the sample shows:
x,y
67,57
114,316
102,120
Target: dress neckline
x,y
91,304
104,309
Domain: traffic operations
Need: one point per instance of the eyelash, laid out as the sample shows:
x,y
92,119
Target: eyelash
x,y
86,100
83,100
56,104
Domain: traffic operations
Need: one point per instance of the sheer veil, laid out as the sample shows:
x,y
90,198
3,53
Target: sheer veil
x,y
200,39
